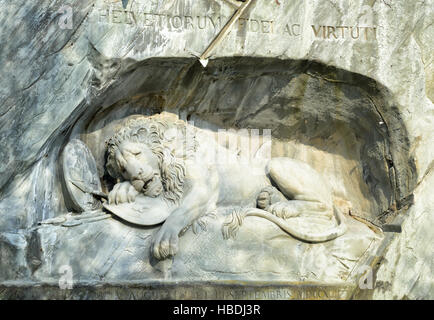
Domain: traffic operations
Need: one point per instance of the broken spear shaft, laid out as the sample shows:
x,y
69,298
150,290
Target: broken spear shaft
x,y
223,32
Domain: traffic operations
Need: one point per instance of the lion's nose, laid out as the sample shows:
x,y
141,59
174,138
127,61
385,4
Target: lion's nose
x,y
138,185
146,174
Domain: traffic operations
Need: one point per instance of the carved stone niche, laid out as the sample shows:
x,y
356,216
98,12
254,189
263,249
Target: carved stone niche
x,y
315,161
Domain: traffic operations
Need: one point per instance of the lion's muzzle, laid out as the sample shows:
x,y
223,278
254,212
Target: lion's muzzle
x,y
138,185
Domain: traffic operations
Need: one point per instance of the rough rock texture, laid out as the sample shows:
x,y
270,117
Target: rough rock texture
x,y
336,99
109,250
408,267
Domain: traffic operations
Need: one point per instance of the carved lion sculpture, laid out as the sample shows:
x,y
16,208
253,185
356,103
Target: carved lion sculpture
x,y
159,156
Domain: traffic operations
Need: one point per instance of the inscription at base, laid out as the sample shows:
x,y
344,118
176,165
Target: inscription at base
x,y
179,291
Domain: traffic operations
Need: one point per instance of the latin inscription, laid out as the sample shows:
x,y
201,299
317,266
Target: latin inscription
x,y
179,23
159,20
344,32
201,292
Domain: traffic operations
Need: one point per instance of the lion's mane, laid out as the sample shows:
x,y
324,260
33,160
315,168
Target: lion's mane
x,y
151,131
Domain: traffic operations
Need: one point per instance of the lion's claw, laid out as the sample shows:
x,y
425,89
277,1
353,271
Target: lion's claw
x,y
264,200
122,192
165,243
267,196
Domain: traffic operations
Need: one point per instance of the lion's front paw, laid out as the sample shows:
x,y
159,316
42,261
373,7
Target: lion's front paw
x,y
122,192
165,242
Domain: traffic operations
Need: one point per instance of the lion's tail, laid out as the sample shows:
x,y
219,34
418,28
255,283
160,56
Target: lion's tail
x,y
231,227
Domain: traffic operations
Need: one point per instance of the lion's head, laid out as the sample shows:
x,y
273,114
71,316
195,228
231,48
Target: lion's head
x,y
142,152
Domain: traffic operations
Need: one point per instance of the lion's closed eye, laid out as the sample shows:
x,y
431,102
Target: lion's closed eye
x,y
135,152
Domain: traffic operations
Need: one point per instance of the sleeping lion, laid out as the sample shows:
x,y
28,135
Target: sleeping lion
x,y
159,156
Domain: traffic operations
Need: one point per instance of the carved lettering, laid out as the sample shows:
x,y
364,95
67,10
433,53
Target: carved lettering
x,y
293,29
331,31
201,22
176,22
254,25
172,22
188,23
296,29
215,24
316,32
344,32
353,33
265,27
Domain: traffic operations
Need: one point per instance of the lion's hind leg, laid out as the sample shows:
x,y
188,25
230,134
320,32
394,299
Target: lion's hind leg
x,y
272,200
307,191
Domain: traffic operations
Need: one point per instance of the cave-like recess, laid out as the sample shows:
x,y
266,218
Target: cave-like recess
x,y
346,125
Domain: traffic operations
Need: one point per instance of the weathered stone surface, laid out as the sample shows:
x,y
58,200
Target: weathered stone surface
x,y
80,177
407,270
122,252
178,290
344,86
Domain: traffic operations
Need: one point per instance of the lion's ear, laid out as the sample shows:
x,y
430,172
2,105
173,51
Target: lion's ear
x,y
142,132
111,167
110,170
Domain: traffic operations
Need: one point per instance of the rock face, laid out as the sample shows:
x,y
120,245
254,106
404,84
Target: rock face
x,y
344,87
